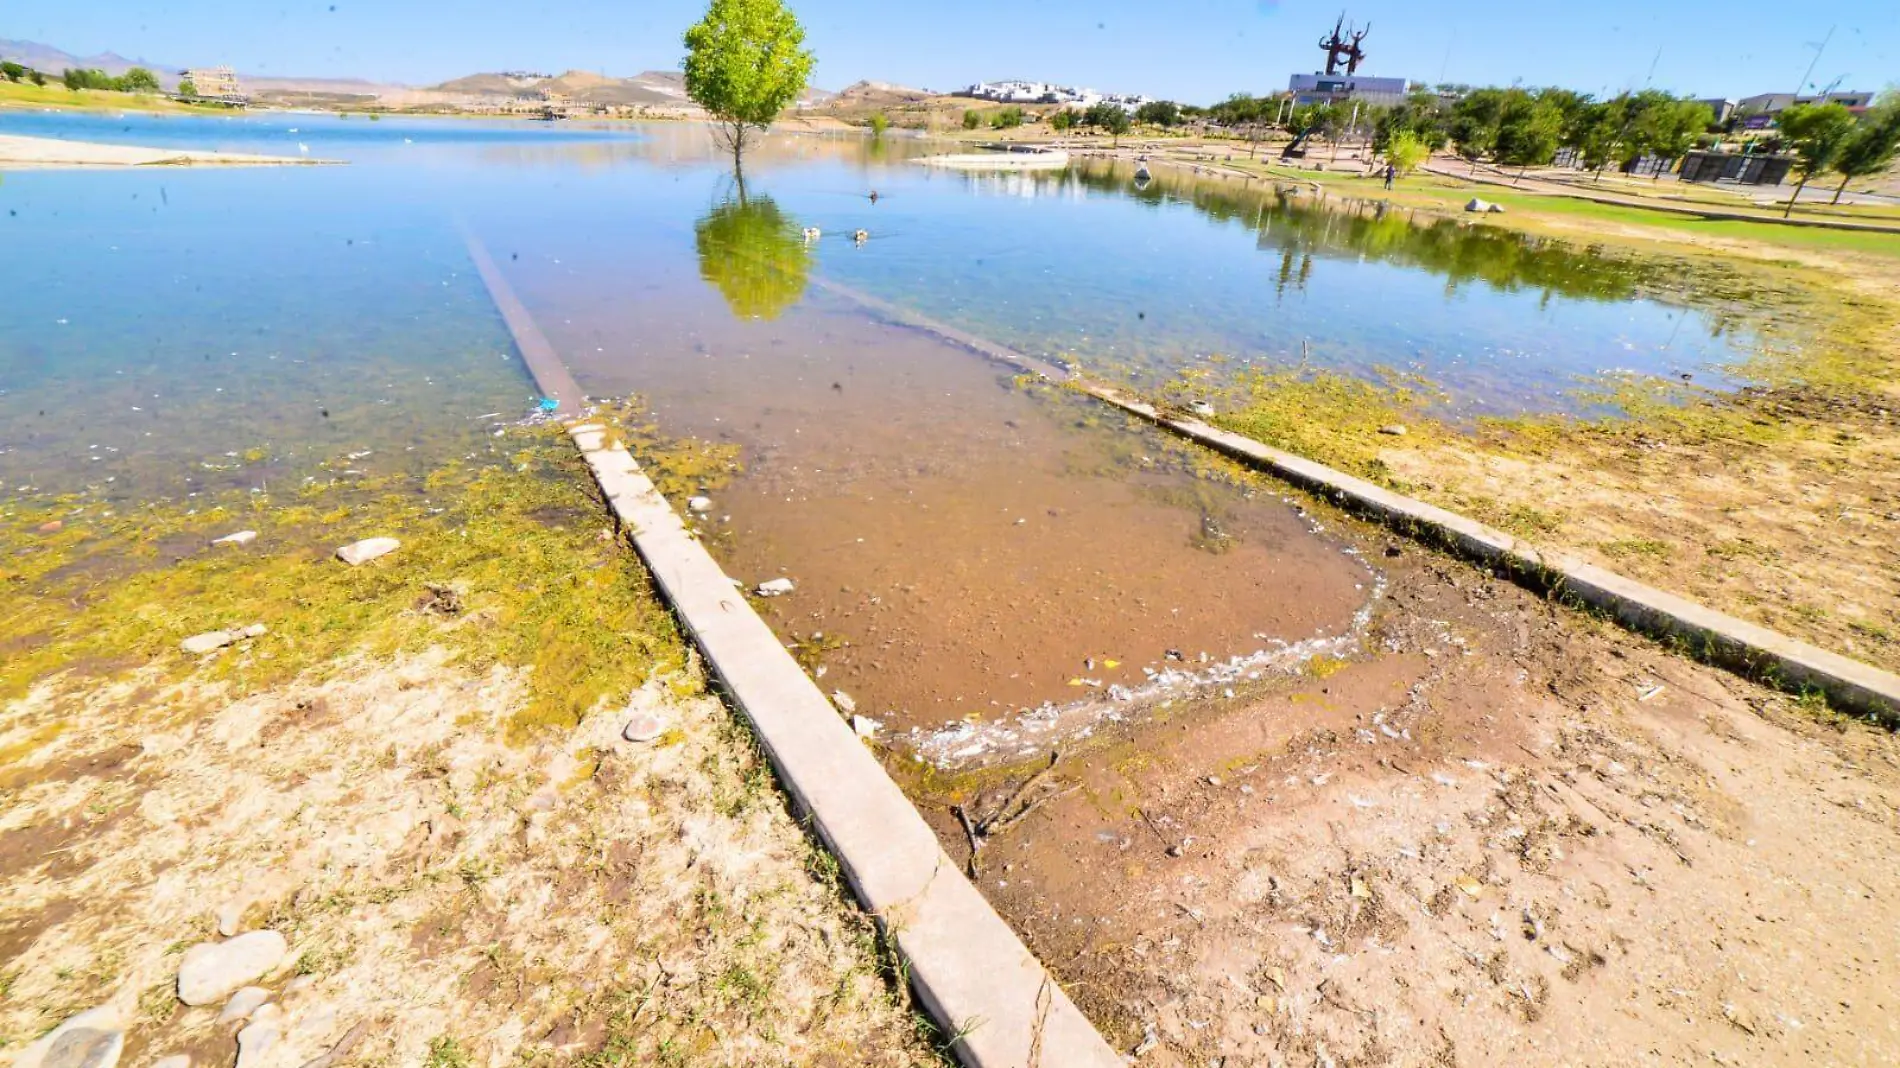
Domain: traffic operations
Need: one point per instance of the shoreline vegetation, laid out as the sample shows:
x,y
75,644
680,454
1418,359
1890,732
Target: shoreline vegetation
x,y
1711,495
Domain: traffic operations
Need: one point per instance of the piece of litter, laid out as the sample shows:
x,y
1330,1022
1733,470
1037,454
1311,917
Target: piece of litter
x,y
844,702
865,726
775,587
242,537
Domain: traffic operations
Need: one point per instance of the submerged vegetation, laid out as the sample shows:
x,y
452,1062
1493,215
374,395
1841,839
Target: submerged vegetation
x,y
501,562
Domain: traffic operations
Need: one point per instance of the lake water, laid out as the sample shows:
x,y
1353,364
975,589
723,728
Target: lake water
x,y
967,549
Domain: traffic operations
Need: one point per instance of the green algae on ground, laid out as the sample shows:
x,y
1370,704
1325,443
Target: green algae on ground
x,y
504,563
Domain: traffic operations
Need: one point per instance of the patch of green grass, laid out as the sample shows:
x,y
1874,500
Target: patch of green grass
x,y
1331,418
1629,548
543,584
446,1052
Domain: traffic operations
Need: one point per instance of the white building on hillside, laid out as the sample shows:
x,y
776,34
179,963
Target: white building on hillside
x,y
1027,92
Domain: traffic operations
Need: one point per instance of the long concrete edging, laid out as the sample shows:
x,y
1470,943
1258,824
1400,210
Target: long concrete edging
x,y
971,973
1742,646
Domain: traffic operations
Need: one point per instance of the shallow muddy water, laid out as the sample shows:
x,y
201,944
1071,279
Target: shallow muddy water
x,y
982,562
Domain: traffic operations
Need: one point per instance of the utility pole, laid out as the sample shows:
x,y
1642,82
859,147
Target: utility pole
x,y
1818,49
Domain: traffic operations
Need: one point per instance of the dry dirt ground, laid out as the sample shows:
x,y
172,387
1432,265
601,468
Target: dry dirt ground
x,y
449,898
1509,834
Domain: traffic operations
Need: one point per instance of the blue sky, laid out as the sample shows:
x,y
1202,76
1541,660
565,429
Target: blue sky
x,y
1192,50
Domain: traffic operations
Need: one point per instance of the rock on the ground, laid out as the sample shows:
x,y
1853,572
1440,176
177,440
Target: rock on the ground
x,y
866,726
242,537
1478,204
258,1036
243,1004
91,1039
643,727
1202,409
700,504
362,552
212,971
775,587
844,702
1396,430
212,641
230,916
176,1060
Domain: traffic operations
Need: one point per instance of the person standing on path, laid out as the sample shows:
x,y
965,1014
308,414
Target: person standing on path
x,y
1391,172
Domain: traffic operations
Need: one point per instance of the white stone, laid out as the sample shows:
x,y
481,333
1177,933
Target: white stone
x,y
643,727
1201,408
91,1039
866,726
243,1003
208,642
212,971
700,504
362,552
176,1060
255,1041
230,915
844,702
775,587
212,641
1396,430
242,537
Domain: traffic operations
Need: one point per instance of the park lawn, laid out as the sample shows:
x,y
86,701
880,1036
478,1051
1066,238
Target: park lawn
x,y
55,95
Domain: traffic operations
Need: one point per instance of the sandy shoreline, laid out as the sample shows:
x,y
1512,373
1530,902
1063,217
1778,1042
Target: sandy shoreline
x,y
36,152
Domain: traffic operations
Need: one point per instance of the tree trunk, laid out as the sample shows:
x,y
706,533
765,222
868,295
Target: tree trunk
x,y
1797,195
1842,188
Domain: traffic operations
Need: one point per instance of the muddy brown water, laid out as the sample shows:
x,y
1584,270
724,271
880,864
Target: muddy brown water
x,y
988,565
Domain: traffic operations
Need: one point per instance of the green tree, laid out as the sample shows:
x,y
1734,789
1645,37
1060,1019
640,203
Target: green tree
x,y
972,119
13,71
139,80
1528,132
1062,121
1474,123
879,124
1871,148
187,88
1420,115
745,62
753,255
1159,113
1816,133
1006,118
37,77
1404,151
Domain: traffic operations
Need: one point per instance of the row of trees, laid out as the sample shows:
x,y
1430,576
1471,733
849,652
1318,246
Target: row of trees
x,y
136,80
16,73
1827,137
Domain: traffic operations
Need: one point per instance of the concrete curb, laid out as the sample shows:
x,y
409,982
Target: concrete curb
x,y
1744,647
970,971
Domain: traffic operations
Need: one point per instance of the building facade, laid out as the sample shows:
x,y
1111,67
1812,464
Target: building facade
x,y
1775,103
216,83
1336,88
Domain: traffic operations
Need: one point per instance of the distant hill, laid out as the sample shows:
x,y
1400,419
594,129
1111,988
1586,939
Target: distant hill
x,y
43,57
878,94
653,88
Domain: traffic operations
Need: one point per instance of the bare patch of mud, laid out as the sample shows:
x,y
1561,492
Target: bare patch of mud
x,y
1503,833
